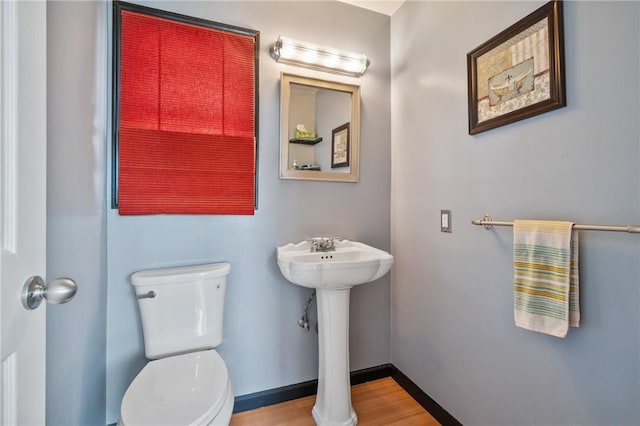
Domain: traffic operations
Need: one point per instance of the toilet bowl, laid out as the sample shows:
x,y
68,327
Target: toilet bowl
x,y
189,389
186,382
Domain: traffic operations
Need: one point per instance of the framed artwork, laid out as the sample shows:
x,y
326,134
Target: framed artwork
x,y
340,146
518,73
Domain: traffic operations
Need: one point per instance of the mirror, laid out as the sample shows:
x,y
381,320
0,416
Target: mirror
x,y
319,130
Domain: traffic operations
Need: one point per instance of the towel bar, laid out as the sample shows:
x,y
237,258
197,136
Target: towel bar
x,y
487,223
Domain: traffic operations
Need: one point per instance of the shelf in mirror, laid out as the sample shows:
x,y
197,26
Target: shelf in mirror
x,y
306,141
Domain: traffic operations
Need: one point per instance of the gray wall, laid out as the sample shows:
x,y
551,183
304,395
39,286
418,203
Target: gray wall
x,y
452,297
76,237
333,109
263,346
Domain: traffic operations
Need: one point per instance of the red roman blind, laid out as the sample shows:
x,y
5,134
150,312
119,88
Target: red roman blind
x,y
186,118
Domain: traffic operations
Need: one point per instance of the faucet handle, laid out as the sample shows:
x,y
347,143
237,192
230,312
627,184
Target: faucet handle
x,y
332,241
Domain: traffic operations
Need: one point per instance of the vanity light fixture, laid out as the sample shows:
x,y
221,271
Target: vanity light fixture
x,y
322,58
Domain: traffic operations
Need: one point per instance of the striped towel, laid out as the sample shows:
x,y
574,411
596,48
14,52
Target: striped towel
x,y
546,281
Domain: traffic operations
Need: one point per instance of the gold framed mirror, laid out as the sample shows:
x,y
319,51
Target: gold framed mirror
x,y
319,130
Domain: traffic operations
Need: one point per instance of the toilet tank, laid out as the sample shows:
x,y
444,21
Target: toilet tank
x,y
181,308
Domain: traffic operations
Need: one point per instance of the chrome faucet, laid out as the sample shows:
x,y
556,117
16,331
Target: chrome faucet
x,y
323,243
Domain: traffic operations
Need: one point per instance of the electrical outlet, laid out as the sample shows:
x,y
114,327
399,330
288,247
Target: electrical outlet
x,y
445,220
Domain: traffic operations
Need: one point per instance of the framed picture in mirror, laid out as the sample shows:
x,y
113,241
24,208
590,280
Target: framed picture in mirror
x,y
340,146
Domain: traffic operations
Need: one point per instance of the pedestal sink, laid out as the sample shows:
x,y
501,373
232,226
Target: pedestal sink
x,y
332,273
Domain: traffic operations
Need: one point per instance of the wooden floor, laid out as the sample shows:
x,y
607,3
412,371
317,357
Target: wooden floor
x,y
378,403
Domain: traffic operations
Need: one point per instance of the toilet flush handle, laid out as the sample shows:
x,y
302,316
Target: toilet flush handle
x,y
150,295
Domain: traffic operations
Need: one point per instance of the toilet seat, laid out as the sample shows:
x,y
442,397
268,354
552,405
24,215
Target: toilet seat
x,y
188,389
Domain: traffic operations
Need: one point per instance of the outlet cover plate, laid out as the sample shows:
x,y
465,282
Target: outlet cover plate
x,y
445,221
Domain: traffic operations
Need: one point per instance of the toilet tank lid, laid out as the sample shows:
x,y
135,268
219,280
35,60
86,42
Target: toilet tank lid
x,y
179,274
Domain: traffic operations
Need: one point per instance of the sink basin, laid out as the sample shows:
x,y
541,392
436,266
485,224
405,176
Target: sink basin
x,y
351,263
333,273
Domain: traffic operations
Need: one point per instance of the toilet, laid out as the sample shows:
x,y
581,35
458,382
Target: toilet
x,y
186,382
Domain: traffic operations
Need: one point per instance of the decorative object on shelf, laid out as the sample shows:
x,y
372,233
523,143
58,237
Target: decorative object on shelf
x,y
518,73
305,136
340,146
302,132
321,58
311,167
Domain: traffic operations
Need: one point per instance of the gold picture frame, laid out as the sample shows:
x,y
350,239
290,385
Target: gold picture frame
x,y
518,73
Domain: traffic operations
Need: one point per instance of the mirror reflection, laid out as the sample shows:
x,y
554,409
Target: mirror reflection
x,y
319,129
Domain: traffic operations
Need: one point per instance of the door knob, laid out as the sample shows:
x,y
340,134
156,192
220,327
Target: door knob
x,y
60,290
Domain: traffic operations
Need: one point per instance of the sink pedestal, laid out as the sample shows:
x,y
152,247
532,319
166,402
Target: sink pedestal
x,y
333,401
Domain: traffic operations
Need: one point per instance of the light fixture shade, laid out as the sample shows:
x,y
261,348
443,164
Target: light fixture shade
x,y
322,58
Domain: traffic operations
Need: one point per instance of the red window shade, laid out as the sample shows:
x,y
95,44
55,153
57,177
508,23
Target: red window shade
x,y
186,118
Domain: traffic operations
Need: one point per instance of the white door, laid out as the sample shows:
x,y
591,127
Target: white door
x,y
22,209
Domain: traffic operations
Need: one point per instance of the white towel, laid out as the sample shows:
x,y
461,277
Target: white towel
x,y
546,279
